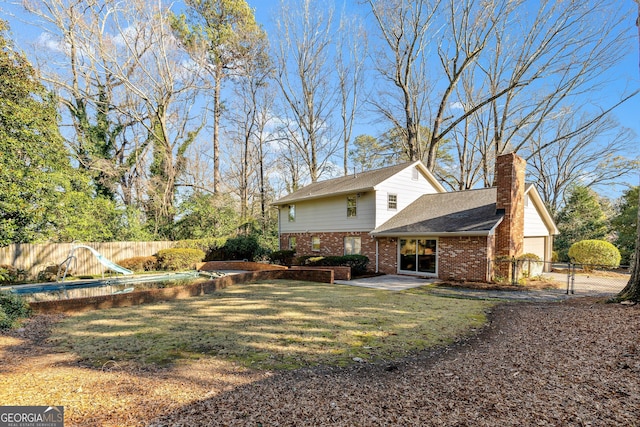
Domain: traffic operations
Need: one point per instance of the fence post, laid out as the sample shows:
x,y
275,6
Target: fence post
x,y
514,271
571,277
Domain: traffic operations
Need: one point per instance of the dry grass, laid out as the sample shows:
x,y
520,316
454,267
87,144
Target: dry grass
x,y
274,325
574,363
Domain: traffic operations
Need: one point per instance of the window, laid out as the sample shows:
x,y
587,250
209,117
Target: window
x,y
315,243
351,206
352,245
392,202
292,243
292,213
418,255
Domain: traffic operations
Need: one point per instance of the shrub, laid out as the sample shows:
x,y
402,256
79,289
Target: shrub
x,y
179,258
9,273
13,308
594,253
140,263
239,248
210,246
282,257
529,257
358,263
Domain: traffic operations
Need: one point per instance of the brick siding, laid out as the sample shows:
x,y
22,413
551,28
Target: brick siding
x,y
464,258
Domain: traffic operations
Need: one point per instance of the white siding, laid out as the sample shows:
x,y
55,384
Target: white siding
x,y
329,214
407,190
533,223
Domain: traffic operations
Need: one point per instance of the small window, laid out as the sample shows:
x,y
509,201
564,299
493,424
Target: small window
x,y
315,243
392,202
292,213
352,245
414,174
292,243
351,206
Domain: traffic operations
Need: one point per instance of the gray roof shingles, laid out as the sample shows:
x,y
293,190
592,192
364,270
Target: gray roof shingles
x,y
343,185
466,212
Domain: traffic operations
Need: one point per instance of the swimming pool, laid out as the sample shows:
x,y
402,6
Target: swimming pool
x,y
96,287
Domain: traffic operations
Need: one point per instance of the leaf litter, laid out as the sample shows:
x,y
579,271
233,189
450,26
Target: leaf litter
x,y
534,364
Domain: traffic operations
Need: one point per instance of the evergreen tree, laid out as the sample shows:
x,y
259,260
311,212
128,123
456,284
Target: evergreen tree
x,y
625,224
582,218
42,197
33,159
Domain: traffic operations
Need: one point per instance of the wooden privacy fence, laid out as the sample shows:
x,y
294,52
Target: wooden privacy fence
x,y
34,258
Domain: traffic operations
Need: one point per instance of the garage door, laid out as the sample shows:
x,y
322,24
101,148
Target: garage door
x,y
534,245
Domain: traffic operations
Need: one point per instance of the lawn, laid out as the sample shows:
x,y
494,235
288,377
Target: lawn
x,y
270,325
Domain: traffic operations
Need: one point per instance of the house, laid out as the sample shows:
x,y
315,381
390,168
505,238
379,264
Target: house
x,y
405,221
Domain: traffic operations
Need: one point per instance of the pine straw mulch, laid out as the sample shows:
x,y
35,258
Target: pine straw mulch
x,y
572,363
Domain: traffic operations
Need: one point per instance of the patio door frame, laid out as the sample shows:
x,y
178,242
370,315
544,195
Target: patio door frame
x,y
417,262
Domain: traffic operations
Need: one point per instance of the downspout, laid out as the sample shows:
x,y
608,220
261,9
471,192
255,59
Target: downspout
x,y
377,257
279,231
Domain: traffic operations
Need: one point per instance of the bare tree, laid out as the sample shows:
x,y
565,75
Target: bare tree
x,y
249,118
406,29
595,156
350,59
304,71
503,69
219,35
75,56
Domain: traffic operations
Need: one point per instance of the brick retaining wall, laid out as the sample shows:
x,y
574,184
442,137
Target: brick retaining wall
x,y
237,265
80,305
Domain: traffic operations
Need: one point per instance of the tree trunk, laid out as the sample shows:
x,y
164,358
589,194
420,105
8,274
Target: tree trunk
x,y
631,292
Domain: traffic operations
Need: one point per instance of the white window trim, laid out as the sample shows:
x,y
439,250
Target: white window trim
x,y
388,202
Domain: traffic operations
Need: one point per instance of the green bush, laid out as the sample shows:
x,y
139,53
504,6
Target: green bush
x,y
13,308
179,258
140,263
282,257
594,253
240,248
9,273
210,246
358,263
529,257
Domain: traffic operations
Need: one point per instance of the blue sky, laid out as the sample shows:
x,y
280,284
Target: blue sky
x,y
625,75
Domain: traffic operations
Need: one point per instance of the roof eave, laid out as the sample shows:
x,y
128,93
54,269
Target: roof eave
x,y
321,196
489,232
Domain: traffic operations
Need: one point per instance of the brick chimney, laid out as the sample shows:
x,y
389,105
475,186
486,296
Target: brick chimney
x,y
509,180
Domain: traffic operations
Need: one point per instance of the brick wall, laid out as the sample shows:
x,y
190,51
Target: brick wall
x,y
330,244
388,255
463,258
79,305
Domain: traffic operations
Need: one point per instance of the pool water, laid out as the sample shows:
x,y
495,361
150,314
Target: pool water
x,y
92,288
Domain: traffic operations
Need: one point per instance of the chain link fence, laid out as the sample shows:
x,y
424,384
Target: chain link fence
x,y
573,278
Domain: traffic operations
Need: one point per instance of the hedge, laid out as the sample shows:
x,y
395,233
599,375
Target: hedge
x,y
140,263
179,258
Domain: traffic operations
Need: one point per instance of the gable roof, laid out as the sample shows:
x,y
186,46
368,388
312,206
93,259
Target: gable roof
x,y
544,213
354,183
470,212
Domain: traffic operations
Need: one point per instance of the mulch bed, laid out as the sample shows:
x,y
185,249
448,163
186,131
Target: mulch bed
x,y
572,363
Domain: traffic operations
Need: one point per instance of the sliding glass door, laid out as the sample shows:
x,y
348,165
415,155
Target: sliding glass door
x,y
418,255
